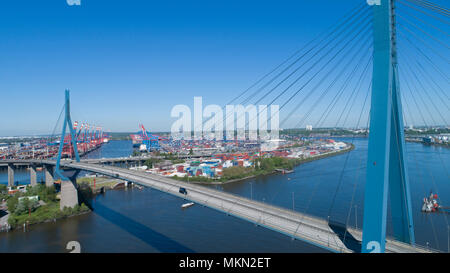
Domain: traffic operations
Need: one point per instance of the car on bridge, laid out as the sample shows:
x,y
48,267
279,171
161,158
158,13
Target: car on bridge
x,y
182,191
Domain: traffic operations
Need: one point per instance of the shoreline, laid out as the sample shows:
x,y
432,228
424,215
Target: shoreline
x,y
109,186
47,221
428,144
302,161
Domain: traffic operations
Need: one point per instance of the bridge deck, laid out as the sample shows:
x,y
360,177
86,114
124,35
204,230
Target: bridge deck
x,y
300,226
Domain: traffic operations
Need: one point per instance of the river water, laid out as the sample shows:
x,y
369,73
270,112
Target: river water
x,y
146,220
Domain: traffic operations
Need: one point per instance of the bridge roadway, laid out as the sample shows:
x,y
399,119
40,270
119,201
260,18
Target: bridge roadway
x,y
26,162
296,225
135,159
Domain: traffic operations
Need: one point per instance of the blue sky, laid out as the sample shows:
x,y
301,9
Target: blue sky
x,y
130,62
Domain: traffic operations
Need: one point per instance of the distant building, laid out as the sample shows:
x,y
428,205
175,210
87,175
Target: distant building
x,y
308,127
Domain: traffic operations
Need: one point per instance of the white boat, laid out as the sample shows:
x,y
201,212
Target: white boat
x,y
139,168
143,147
187,205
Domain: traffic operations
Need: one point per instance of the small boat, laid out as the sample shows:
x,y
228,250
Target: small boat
x,y
284,171
430,204
187,205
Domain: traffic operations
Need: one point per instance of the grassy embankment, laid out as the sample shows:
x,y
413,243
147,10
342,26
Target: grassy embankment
x,y
105,182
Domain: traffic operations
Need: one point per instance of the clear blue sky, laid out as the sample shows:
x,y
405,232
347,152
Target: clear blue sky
x,y
131,61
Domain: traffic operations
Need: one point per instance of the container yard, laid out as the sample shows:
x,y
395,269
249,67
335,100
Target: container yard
x,y
89,138
212,158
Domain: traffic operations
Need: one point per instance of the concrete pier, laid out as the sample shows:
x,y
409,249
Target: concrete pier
x,y
49,175
10,175
69,194
33,178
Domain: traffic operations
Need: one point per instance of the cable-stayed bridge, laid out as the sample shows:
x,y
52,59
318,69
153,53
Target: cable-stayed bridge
x,y
381,67
313,230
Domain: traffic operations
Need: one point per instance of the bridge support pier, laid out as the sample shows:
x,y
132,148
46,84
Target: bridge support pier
x,y
49,175
33,179
10,175
69,194
387,173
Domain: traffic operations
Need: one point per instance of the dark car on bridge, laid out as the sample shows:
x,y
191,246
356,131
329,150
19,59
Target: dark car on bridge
x,y
182,191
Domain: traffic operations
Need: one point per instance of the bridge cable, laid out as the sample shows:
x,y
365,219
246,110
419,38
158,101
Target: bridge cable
x,y
426,57
424,22
304,63
407,108
418,93
423,42
341,73
358,85
429,77
342,172
303,74
424,12
52,136
408,65
317,73
421,179
320,122
331,33
423,31
432,7
338,94
338,25
338,75
317,184
425,123
422,116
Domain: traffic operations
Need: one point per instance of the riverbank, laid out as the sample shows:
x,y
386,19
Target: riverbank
x,y
445,145
293,162
34,205
17,213
45,215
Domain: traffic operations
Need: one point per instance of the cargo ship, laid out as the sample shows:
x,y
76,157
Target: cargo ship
x,y
136,140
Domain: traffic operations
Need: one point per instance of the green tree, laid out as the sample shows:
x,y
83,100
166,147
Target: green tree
x,y
85,191
151,161
26,205
12,203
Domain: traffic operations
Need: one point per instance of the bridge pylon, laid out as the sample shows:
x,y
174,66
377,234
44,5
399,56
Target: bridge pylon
x,y
386,167
69,194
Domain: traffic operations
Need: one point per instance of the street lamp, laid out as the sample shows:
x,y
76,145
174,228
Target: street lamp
x,y
293,202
